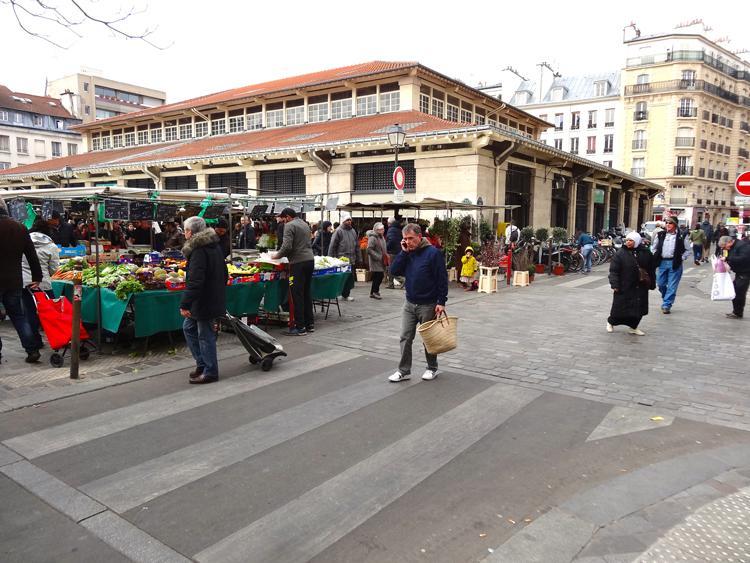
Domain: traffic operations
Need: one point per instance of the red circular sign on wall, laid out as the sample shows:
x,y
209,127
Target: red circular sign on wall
x,y
399,178
742,183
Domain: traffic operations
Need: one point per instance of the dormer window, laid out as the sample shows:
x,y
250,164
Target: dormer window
x,y
522,97
601,88
558,93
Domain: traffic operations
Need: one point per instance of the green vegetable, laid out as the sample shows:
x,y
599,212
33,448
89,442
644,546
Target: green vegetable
x,y
125,288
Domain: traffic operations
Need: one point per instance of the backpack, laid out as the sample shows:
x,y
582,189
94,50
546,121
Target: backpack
x,y
514,235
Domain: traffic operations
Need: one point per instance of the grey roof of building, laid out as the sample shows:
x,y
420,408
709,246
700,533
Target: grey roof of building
x,y
576,87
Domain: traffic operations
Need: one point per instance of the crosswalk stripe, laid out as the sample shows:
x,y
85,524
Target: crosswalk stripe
x,y
83,430
303,528
583,280
138,484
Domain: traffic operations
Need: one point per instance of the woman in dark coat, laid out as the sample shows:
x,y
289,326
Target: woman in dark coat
x,y
630,299
322,239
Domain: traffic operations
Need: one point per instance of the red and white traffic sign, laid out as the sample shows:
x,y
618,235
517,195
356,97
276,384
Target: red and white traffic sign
x,y
399,178
742,183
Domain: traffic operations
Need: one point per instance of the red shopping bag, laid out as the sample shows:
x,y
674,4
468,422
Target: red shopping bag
x,y
56,318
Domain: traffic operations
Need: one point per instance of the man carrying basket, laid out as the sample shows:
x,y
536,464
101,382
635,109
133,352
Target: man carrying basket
x,y
426,293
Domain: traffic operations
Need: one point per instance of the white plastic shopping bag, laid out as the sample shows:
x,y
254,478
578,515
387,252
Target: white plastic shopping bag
x,y
722,288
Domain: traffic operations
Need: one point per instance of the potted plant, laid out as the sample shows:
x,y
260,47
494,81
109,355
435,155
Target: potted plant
x,y
532,271
558,269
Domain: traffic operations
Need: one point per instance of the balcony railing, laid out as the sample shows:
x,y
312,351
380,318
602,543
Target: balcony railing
x,y
683,170
684,141
680,55
640,172
743,153
609,123
639,144
678,200
575,126
592,125
590,151
687,112
694,85
640,116
744,126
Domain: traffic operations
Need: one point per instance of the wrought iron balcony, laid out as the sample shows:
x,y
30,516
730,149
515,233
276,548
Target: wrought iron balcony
x,y
640,172
678,200
687,112
683,170
640,116
639,144
684,141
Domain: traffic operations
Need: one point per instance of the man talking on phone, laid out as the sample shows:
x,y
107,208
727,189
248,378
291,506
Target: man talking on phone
x,y
426,293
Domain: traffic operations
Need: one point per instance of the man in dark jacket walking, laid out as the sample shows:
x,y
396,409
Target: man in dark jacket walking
x,y
738,258
14,243
204,297
708,230
670,248
426,294
295,246
247,234
345,244
393,246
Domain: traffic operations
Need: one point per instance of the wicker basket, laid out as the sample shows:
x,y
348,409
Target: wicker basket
x,y
439,335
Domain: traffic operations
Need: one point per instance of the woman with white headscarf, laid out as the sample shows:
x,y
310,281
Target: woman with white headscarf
x,y
632,274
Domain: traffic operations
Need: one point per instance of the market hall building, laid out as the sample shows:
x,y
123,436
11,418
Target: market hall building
x,y
326,133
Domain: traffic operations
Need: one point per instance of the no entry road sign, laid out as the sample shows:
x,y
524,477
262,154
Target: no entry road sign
x,y
742,183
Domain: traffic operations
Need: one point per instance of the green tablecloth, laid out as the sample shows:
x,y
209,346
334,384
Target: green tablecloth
x,y
328,286
159,310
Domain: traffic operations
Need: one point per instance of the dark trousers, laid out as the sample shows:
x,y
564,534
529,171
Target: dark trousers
x,y
29,309
348,286
300,284
13,303
377,279
741,283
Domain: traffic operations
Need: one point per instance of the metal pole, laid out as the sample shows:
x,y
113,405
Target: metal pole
x,y
231,231
75,340
98,289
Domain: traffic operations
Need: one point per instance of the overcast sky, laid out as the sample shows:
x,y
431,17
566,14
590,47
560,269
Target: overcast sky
x,y
224,44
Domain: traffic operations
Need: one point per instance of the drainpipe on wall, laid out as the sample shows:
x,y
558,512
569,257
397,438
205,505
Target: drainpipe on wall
x,y
153,175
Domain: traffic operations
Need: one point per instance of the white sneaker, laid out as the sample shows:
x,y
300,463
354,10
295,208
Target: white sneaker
x,y
350,298
610,328
637,332
398,376
429,374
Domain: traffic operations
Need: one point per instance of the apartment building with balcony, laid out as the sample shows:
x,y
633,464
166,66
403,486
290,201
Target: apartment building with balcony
x,y
326,133
34,128
89,97
586,112
687,122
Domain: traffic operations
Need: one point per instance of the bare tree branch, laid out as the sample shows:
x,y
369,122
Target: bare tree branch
x,y
78,15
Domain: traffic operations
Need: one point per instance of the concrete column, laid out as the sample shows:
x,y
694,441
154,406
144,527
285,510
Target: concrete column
x,y
253,182
621,207
607,196
541,202
633,219
572,208
590,210
202,180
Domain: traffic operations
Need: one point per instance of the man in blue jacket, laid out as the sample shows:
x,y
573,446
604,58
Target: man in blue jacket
x,y
426,294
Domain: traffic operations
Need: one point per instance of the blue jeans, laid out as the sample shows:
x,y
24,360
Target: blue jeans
x,y
697,252
586,252
201,340
668,279
11,299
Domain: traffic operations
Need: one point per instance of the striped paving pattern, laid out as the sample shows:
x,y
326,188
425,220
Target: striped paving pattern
x,y
320,459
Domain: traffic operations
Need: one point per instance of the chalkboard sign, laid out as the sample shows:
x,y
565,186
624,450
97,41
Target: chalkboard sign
x,y
80,206
215,211
50,205
116,210
166,212
17,210
141,210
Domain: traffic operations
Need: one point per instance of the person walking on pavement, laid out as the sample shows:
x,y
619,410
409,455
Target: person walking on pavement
x,y
393,245
322,239
378,255
345,244
586,242
670,249
295,246
708,230
698,238
203,300
49,260
632,274
426,295
14,243
738,258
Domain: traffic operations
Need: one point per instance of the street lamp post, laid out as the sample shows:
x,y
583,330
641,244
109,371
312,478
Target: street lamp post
x,y
67,174
396,138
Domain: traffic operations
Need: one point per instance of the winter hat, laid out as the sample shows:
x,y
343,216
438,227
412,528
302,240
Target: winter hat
x,y
635,237
469,248
344,216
